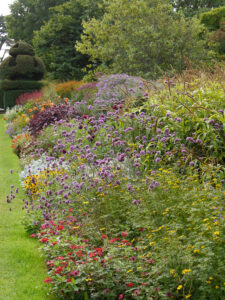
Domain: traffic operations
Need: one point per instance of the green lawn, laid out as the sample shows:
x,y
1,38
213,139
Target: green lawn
x,y
22,270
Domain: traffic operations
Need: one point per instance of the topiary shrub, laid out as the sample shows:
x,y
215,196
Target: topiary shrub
x,y
21,71
21,48
21,85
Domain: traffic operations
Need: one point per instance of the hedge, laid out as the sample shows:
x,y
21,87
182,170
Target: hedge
x,y
21,85
9,98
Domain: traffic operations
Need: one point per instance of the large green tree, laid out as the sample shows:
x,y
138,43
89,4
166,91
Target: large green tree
x,y
195,7
27,16
140,37
214,20
55,41
3,33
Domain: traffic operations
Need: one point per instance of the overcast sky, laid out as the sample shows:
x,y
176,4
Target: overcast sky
x,y
4,7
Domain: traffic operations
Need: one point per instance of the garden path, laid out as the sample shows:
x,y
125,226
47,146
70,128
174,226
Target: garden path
x,y
22,271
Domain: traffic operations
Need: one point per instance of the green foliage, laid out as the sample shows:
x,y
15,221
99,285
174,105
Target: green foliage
x,y
27,16
195,7
54,42
21,85
21,48
10,96
1,98
214,18
141,38
22,64
3,33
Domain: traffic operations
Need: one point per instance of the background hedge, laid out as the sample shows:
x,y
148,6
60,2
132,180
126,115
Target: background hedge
x,y
9,97
21,85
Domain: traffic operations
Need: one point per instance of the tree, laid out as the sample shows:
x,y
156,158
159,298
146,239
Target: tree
x,y
214,20
140,37
4,39
27,16
196,7
55,41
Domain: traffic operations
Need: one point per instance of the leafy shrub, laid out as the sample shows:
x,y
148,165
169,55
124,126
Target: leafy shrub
x,y
50,115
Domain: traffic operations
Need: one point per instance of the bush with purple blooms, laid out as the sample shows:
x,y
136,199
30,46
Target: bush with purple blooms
x,y
128,203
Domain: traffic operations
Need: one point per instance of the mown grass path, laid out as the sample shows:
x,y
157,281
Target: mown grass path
x,y
22,270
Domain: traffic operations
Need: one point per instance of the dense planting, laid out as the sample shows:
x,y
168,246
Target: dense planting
x,y
125,187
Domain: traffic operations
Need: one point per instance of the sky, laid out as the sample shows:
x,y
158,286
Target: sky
x,y
4,7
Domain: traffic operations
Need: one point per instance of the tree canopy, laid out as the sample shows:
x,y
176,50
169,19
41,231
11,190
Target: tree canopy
x,y
141,37
27,16
55,41
3,33
195,7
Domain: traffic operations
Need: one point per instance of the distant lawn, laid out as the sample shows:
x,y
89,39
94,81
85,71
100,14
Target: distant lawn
x,y
22,270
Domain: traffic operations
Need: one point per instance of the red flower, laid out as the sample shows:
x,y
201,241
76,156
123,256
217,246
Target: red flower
x,y
112,241
104,236
129,284
124,233
44,240
140,229
120,297
91,254
47,280
58,270
74,247
69,280
60,257
60,227
54,243
70,209
79,253
100,251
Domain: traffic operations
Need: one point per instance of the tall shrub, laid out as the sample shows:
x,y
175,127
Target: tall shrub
x,y
20,72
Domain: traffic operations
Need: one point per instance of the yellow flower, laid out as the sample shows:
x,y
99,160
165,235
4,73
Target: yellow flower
x,y
88,279
216,232
188,296
172,271
179,287
196,251
186,271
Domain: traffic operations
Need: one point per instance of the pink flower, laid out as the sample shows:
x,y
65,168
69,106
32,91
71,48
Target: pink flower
x,y
136,292
120,297
124,233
